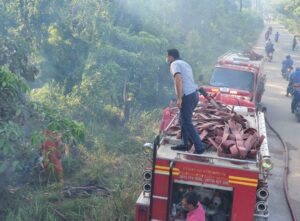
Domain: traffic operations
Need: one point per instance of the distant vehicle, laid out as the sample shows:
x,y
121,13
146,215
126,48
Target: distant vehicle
x,y
295,42
270,29
276,37
269,48
240,76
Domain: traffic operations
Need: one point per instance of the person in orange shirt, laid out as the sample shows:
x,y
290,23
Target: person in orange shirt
x,y
51,154
168,114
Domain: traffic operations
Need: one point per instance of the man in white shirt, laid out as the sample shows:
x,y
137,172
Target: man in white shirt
x,y
187,99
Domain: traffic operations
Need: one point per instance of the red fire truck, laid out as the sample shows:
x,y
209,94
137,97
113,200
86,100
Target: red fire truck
x,y
239,75
230,189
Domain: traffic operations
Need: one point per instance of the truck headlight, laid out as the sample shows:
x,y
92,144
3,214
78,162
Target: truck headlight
x,y
267,164
147,148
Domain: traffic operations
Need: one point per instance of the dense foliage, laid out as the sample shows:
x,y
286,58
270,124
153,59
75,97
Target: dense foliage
x,y
96,72
12,90
290,10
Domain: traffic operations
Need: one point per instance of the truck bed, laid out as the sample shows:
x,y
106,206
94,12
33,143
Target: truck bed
x,y
210,156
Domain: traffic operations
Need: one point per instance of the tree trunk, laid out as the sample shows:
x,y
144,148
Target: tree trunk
x,y
126,103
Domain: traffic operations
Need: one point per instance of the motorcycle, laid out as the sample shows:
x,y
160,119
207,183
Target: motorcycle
x,y
276,37
286,74
269,52
269,49
296,102
297,112
270,56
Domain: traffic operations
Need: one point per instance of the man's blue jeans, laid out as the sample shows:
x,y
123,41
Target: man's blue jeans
x,y
189,103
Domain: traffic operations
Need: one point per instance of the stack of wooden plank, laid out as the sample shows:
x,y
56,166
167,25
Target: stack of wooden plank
x,y
225,131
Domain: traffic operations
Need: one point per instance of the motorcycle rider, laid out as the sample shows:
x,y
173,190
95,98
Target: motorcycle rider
x,y
268,33
294,43
287,64
270,30
295,82
269,48
276,37
290,85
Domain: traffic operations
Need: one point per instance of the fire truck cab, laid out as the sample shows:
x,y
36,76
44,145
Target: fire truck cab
x,y
239,75
229,189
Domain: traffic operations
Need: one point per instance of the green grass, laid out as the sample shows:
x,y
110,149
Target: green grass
x,y
121,174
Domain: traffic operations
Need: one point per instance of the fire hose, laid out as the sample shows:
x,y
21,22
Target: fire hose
x,y
222,129
285,172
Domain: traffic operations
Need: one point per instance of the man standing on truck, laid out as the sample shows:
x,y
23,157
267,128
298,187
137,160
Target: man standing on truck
x,y
187,100
195,210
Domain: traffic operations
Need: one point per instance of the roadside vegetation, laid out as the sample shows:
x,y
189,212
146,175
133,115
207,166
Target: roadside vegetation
x,y
289,15
95,71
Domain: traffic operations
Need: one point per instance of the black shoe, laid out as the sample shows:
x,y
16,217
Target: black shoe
x,y
201,151
180,147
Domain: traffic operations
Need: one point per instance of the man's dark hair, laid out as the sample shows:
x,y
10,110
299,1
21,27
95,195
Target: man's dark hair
x,y
288,56
191,198
174,53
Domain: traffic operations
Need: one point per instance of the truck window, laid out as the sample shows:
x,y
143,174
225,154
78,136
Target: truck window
x,y
217,203
223,77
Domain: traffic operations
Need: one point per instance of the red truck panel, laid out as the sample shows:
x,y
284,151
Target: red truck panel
x,y
242,182
141,213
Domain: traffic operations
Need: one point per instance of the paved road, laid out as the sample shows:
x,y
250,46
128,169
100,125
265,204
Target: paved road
x,y
284,122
